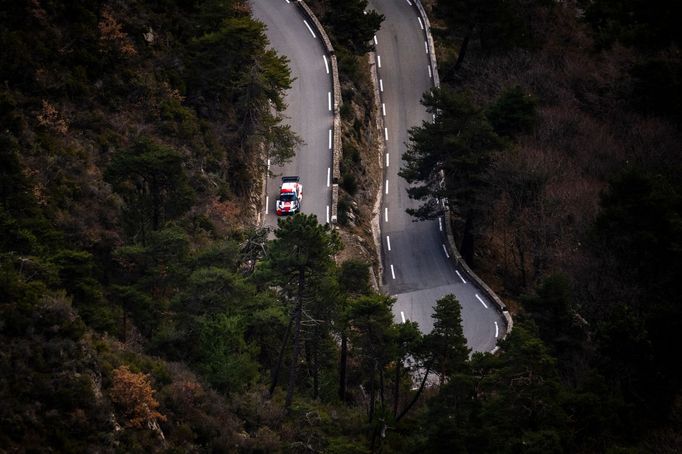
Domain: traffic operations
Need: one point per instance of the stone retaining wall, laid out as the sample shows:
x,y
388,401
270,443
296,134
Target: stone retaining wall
x,y
336,93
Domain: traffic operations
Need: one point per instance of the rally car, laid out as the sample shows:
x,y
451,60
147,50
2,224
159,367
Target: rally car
x,y
290,196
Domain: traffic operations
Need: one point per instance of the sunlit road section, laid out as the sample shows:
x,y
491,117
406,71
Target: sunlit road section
x,y
309,106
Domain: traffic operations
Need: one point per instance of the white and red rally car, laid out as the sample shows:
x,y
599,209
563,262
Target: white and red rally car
x,y
290,196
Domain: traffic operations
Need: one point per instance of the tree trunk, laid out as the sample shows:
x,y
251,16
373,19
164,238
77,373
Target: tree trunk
x,y
372,394
522,260
381,387
125,326
297,336
308,353
416,396
396,387
463,48
280,358
316,366
343,362
156,204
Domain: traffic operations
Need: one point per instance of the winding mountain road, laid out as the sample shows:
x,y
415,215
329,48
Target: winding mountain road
x,y
309,106
417,267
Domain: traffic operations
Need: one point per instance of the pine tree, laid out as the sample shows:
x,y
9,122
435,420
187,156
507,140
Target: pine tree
x,y
302,251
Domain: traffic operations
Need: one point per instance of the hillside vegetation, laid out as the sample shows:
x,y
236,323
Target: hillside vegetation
x,y
558,129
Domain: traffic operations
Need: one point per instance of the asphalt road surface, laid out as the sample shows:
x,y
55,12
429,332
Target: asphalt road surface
x,y
309,106
417,268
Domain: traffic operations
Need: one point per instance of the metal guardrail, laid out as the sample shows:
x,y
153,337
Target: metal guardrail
x,y
448,227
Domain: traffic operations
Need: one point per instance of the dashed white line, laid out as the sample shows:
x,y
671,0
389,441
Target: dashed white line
x,y
497,329
383,108
329,171
379,60
330,139
388,242
385,214
268,164
426,47
446,252
386,133
392,272
440,224
326,63
434,117
381,85
386,186
430,73
421,24
375,40
482,302
267,204
409,2
329,99
402,315
460,276
387,164
327,214
311,30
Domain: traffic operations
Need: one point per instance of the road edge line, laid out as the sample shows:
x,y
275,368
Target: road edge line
x,y
448,226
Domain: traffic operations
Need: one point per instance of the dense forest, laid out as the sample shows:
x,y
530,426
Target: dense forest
x,y
143,310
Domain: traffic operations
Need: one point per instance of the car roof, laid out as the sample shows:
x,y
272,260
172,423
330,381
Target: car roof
x,y
289,187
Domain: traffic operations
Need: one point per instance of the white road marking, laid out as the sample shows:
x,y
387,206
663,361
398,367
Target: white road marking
x,y
267,204
288,1
497,330
268,164
446,252
385,214
381,85
330,139
392,272
383,108
386,133
434,117
421,24
482,302
387,164
375,40
430,73
402,315
311,30
440,224
326,63
387,186
409,2
327,214
379,60
460,276
329,171
329,99
426,47
388,242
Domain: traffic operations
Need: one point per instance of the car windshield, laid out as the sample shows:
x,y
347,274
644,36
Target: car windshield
x,y
287,197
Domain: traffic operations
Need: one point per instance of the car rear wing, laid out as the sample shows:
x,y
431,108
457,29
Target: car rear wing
x,y
294,179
